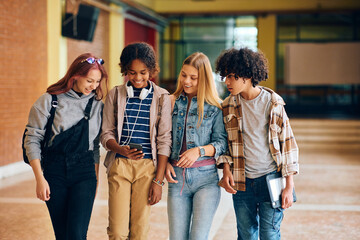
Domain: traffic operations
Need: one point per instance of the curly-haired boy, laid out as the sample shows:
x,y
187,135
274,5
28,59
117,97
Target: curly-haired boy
x,y
261,142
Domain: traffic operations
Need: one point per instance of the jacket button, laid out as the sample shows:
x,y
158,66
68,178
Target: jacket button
x,y
179,128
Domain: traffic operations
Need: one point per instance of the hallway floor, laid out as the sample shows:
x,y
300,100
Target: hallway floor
x,y
327,188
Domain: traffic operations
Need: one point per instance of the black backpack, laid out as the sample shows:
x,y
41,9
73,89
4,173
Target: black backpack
x,y
43,143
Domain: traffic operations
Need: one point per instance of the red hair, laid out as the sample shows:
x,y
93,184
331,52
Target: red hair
x,y
80,68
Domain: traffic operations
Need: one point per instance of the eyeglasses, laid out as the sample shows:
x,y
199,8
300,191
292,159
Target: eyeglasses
x,y
92,60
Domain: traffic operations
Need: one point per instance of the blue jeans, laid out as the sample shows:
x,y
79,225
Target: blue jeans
x,y
253,212
71,199
191,213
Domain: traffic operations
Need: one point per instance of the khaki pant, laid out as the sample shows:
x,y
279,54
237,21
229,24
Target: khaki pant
x,y
129,211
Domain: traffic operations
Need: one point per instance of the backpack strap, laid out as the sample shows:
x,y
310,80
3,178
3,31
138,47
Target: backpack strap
x,y
48,126
88,108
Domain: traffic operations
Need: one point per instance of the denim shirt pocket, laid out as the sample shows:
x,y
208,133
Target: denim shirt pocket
x,y
207,123
232,126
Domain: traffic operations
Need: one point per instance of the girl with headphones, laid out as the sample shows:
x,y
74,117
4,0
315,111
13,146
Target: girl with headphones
x,y
138,149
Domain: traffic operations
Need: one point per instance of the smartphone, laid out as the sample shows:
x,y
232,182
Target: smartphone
x,y
135,145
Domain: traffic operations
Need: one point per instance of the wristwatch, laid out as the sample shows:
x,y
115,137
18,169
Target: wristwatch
x,y
202,151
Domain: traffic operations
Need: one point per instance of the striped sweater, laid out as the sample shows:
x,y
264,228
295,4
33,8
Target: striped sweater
x,y
136,127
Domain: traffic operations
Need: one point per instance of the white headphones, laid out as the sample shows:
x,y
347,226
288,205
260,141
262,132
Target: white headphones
x,y
130,92
144,92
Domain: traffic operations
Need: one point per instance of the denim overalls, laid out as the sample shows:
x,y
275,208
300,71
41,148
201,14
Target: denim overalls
x,y
191,212
70,172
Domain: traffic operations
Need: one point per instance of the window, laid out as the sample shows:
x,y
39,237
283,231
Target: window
x,y
210,35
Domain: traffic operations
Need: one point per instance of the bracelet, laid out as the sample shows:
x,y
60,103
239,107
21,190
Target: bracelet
x,y
158,182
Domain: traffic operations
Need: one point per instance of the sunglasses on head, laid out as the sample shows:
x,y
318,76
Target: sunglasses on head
x,y
92,60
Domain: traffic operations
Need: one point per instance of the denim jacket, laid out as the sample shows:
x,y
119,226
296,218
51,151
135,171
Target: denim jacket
x,y
211,131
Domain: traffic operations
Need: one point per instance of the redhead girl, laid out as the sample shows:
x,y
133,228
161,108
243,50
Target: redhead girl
x,y
68,181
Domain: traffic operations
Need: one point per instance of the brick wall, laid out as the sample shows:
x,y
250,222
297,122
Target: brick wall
x,y
23,70
23,66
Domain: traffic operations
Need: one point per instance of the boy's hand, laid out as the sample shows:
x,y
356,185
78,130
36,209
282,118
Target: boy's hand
x,y
227,181
287,194
287,198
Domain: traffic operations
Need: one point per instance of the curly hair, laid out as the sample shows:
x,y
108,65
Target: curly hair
x,y
141,51
244,63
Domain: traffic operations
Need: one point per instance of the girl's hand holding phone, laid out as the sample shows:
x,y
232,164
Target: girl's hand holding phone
x,y
131,153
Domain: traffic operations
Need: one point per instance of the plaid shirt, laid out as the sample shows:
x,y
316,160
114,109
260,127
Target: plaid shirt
x,y
283,147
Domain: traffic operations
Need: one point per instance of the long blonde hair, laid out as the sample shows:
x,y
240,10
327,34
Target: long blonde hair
x,y
206,84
